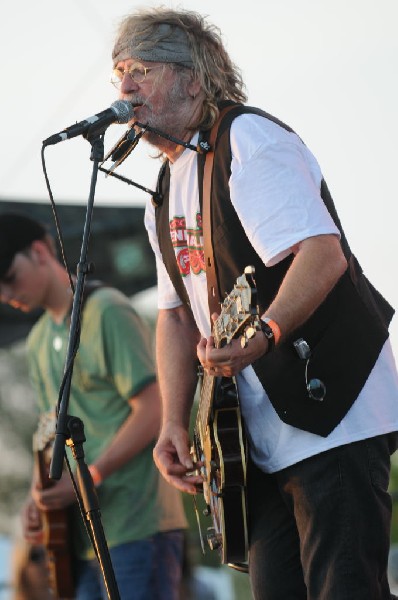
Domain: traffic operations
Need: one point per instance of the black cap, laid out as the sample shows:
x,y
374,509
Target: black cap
x,y
17,232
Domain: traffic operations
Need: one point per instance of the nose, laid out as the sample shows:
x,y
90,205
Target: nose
x,y
128,85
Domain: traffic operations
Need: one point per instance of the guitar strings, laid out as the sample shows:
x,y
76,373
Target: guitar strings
x,y
199,526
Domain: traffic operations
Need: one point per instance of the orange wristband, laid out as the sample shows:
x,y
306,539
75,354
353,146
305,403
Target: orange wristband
x,y
95,475
275,328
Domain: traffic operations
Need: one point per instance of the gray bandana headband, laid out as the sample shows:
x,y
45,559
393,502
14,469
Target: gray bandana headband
x,y
165,44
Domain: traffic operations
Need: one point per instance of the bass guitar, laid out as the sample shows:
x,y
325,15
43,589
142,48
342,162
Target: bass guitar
x,y
55,523
219,442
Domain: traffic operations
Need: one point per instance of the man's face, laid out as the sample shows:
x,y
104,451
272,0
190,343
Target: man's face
x,y
22,285
160,99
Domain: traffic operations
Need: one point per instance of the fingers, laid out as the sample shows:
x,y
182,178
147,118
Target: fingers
x,y
205,352
231,358
35,537
182,479
172,458
58,496
31,516
32,524
202,344
188,483
201,351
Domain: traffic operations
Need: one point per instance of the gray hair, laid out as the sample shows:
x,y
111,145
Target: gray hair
x,y
183,38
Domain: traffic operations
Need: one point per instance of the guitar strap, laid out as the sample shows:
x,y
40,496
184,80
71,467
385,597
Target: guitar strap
x,y
211,275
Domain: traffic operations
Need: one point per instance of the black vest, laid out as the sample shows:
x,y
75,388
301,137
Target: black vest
x,y
346,332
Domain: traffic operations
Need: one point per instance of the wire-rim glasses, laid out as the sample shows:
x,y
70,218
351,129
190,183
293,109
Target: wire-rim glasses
x,y
136,71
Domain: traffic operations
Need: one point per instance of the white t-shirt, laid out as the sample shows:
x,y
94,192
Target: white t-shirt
x,y
275,190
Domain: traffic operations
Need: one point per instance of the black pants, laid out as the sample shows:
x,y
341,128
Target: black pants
x,y
320,529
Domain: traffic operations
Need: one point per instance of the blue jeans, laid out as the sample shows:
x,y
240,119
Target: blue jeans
x,y
144,569
320,529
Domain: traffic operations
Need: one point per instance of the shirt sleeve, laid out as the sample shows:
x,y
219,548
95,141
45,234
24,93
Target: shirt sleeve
x,y
275,188
128,348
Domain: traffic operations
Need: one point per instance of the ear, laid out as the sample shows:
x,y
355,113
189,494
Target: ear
x,y
194,87
39,251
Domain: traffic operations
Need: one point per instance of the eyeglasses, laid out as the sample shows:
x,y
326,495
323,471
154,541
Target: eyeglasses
x,y
136,71
315,387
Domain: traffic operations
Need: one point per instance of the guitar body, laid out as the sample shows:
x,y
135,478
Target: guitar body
x,y
221,446
56,524
219,442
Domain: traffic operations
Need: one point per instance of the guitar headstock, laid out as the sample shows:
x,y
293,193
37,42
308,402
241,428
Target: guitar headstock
x,y
239,311
45,432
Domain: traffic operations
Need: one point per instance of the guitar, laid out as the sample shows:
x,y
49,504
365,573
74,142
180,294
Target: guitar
x,y
55,523
219,440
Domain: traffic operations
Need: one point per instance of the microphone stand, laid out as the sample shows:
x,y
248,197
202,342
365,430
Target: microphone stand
x,y
70,430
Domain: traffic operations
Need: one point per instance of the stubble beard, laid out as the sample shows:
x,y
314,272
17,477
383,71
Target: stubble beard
x,y
172,118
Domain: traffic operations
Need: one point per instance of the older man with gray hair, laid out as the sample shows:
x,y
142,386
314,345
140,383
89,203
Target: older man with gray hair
x,y
316,378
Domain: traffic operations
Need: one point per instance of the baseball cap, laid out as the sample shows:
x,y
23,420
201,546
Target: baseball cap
x,y
17,232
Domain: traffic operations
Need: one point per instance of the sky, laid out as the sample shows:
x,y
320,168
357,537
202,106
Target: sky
x,y
327,68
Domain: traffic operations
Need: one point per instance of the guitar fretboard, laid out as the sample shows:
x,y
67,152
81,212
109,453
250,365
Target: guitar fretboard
x,y
205,402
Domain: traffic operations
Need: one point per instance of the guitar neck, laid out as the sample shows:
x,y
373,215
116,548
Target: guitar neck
x,y
236,314
205,403
42,457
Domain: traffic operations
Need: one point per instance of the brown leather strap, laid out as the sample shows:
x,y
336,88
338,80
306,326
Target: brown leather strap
x,y
213,293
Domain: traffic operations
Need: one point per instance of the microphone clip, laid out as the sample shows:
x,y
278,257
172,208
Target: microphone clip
x,y
203,147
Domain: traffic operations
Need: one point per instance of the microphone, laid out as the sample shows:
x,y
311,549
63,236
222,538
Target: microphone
x,y
120,111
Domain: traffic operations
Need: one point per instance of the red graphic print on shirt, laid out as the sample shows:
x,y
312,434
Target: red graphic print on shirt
x,y
188,245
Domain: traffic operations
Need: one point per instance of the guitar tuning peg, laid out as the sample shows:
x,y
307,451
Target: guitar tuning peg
x,y
248,334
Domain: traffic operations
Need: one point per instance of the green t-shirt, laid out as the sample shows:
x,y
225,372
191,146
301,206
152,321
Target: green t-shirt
x,y
114,362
